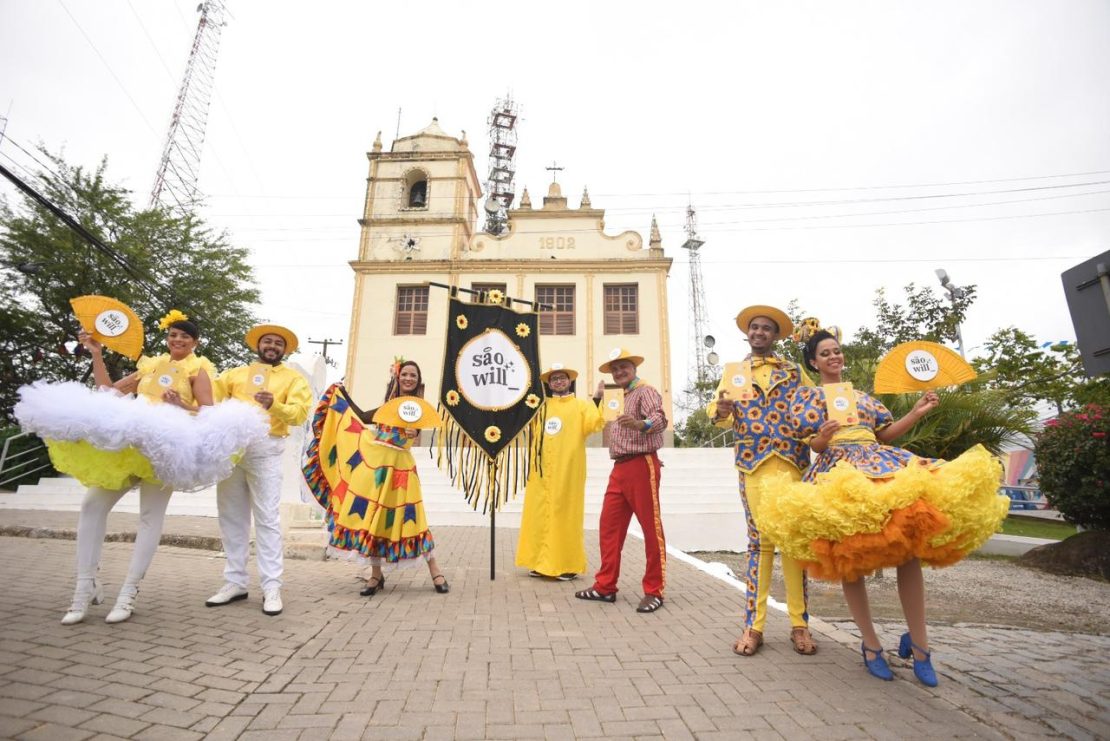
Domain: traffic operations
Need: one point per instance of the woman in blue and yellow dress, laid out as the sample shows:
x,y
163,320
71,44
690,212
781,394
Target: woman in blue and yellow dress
x,y
865,504
363,474
111,441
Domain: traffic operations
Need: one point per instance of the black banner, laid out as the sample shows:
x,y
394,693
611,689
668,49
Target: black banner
x,y
491,372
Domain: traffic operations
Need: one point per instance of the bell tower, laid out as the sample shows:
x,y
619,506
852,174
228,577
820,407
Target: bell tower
x,y
421,198
420,213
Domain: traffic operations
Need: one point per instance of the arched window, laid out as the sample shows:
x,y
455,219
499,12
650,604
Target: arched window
x,y
416,189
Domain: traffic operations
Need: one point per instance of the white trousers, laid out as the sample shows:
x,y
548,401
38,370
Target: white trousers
x,y
254,486
93,523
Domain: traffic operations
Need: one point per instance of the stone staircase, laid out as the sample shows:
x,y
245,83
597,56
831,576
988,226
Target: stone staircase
x,y
699,501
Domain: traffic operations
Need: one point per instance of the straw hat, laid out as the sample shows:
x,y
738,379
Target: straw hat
x,y
619,353
558,368
259,330
778,316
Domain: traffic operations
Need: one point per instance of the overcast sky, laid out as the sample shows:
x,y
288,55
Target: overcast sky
x,y
829,148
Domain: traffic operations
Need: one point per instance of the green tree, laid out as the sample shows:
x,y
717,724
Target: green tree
x,y
1028,373
1073,465
182,264
696,430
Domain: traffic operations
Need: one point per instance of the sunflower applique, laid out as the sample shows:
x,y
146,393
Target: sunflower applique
x,y
461,322
493,433
495,296
532,401
452,398
523,330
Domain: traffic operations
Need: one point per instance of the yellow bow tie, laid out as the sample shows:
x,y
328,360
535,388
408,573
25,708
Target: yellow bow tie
x,y
766,360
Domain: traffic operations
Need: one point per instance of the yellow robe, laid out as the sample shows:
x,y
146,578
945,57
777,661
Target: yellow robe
x,y
552,540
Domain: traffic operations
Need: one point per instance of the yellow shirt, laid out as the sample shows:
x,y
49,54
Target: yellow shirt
x,y
292,396
161,373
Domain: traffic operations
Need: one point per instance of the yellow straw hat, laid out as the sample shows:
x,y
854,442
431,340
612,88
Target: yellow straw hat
x,y
619,353
259,330
558,368
778,316
410,412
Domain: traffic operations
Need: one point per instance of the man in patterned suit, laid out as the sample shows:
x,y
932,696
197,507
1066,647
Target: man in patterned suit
x,y
764,447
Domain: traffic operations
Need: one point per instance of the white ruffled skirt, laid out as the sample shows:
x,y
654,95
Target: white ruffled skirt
x,y
103,438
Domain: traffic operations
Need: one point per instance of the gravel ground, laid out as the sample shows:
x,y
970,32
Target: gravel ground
x,y
978,590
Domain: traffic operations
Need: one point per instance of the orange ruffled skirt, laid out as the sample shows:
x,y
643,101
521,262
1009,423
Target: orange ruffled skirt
x,y
847,524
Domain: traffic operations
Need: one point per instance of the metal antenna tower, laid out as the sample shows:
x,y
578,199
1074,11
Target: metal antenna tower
x,y
697,297
500,189
176,181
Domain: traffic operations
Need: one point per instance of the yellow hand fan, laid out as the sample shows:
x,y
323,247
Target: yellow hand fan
x,y
920,366
112,323
410,412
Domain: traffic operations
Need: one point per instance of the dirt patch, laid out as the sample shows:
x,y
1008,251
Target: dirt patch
x,y
978,590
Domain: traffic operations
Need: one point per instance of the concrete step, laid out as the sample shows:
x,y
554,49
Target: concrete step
x,y
699,503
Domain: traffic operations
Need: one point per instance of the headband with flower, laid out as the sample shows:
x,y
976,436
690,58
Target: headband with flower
x,y
810,326
173,316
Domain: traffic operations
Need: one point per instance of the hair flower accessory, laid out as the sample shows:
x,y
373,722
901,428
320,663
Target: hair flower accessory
x,y
810,326
173,316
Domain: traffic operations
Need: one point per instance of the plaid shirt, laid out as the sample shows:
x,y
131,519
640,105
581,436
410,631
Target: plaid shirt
x,y
642,402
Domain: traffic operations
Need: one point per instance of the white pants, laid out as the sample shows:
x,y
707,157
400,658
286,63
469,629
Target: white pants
x,y
254,485
93,523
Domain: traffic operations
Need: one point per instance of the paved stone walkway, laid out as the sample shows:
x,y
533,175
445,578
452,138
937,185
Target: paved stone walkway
x,y
512,658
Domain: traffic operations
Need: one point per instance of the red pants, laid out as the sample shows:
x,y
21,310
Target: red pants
x,y
633,490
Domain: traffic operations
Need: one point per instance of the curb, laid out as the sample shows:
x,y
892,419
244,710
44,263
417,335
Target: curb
x,y
196,542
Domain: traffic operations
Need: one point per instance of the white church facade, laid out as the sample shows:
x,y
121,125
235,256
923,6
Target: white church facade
x,y
420,226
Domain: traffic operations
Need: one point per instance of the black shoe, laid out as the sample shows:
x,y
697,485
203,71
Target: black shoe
x,y
441,586
373,586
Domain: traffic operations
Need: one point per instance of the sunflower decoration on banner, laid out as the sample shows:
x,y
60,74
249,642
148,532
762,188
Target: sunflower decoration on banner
x,y
491,398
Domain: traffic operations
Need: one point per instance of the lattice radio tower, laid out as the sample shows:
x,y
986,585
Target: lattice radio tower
x,y
697,298
500,188
176,182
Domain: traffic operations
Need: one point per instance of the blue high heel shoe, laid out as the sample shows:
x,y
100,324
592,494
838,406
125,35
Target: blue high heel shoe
x,y
877,666
923,670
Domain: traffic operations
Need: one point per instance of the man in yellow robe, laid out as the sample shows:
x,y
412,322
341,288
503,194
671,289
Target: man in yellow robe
x,y
552,542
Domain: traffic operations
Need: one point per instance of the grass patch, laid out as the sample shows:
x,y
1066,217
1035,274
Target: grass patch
x,y
1031,527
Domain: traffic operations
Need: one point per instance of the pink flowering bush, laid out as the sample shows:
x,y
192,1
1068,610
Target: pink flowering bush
x,y
1073,463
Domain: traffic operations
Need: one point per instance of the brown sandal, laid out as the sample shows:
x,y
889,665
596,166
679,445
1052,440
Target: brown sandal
x,y
749,643
803,641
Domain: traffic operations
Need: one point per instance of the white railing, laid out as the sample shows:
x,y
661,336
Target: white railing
x,y
10,471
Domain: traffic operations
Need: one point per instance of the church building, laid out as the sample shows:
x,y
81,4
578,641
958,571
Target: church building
x,y
420,225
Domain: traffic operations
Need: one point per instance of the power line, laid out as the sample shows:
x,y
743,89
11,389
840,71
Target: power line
x,y
743,221
108,67
144,281
688,194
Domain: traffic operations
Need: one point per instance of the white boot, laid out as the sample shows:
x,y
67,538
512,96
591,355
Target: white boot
x,y
87,591
125,604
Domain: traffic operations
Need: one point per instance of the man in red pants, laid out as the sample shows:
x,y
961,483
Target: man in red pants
x,y
633,485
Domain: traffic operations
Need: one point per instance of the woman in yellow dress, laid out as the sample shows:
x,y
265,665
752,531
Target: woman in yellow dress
x,y
552,542
364,476
111,441
865,504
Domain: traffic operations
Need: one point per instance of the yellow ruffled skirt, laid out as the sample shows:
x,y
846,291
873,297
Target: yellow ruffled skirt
x,y
108,469
846,524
